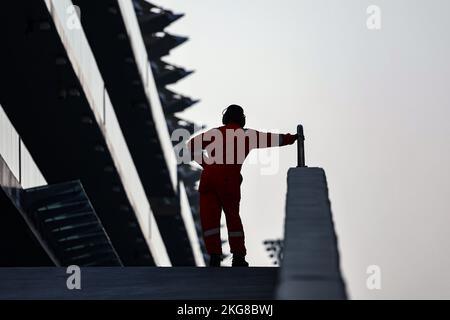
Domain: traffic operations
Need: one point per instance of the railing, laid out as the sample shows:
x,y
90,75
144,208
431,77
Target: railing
x,y
30,175
16,155
9,145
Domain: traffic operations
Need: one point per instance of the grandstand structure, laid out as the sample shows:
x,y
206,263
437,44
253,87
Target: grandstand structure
x,y
89,173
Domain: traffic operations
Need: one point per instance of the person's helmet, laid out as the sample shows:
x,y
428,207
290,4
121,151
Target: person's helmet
x,y
233,114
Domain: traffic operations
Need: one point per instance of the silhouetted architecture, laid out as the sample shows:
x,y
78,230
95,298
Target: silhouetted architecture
x,y
84,130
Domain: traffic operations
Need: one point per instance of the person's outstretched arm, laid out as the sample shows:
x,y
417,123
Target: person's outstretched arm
x,y
269,139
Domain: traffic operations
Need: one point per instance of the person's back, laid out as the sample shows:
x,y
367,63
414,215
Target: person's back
x,y
227,147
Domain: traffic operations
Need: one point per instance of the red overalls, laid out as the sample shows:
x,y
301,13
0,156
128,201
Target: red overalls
x,y
220,184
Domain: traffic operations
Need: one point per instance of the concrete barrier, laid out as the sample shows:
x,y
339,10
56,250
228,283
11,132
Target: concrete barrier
x,y
310,265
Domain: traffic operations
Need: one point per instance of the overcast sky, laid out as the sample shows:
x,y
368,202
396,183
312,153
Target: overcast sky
x,y
375,106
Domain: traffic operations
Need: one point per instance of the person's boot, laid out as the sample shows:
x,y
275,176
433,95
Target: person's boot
x,y
214,260
239,261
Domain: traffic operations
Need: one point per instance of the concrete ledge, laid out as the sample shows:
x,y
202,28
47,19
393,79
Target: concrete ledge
x,y
310,267
186,283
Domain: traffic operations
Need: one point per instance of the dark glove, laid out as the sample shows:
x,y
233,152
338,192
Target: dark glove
x,y
289,138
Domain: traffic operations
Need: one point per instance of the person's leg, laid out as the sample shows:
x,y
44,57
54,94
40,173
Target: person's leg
x,y
236,236
210,211
230,198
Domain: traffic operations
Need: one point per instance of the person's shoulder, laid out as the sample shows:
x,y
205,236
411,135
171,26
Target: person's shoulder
x,y
250,130
214,131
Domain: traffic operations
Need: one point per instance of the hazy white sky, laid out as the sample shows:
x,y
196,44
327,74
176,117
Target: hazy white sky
x,y
375,106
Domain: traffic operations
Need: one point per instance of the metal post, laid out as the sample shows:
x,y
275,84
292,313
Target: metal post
x,y
300,147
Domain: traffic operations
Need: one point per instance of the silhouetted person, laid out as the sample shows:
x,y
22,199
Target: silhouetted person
x,y
227,147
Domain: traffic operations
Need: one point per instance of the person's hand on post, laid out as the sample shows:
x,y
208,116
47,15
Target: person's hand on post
x,y
291,138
